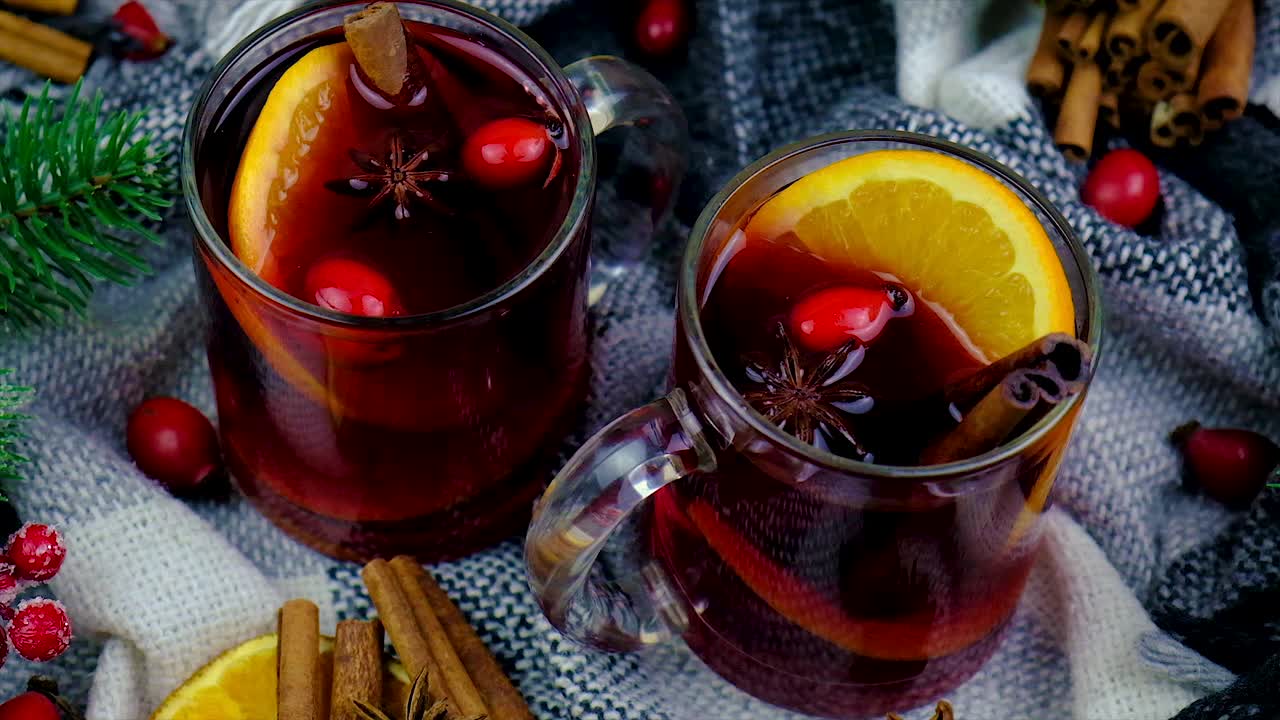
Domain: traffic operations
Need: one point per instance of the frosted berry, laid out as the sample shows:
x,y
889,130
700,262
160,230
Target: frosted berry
x,y
173,443
37,552
10,585
1230,465
40,630
30,705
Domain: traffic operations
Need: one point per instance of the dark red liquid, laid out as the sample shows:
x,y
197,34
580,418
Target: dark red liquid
x,y
820,593
424,440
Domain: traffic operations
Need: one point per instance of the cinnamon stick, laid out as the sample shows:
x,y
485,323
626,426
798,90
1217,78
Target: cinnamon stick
x,y
1154,82
996,416
1078,117
42,49
1091,38
1162,133
1070,32
357,668
1071,359
503,699
1185,119
376,37
458,685
298,662
398,618
49,7
1180,30
1228,65
1046,71
1125,33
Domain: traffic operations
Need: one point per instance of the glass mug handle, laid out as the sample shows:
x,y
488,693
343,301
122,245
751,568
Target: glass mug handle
x,y
618,94
605,481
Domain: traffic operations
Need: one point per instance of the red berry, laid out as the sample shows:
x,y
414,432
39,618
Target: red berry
x,y
1124,187
37,552
142,38
662,27
30,706
10,585
40,630
173,443
508,152
824,320
1231,465
350,286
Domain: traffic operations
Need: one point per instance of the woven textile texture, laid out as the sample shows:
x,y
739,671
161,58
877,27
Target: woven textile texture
x,y
157,586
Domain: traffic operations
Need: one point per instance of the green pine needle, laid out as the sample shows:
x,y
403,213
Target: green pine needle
x,y
75,190
11,398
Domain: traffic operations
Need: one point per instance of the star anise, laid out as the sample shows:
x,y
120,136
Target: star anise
x,y
393,177
418,706
811,402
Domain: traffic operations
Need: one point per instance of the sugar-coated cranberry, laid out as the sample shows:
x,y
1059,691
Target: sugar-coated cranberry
x,y
36,552
662,27
29,705
173,443
507,153
1123,187
40,630
350,286
826,319
1230,465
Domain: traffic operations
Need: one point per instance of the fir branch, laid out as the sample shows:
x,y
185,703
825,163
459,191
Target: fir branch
x,y
75,191
11,432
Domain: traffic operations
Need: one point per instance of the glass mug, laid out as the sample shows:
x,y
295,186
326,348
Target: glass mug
x,y
436,449
812,581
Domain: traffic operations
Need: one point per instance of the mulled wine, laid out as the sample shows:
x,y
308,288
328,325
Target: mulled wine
x,y
357,428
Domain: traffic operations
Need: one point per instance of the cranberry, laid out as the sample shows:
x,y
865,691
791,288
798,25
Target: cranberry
x,y
1230,465
508,152
30,706
37,552
1124,187
40,630
351,286
662,27
173,443
824,320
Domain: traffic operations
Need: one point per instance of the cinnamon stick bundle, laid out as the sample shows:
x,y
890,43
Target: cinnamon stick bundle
x,y
357,668
1070,32
1091,39
397,617
298,684
1180,30
1046,72
1228,65
42,49
1125,33
1078,117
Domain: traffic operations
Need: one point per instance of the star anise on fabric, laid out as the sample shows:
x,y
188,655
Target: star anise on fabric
x,y
394,177
942,712
418,706
811,402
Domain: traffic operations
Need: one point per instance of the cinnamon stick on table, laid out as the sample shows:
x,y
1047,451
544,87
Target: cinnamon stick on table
x,y
1091,38
42,49
1180,30
397,617
1078,117
298,662
1046,71
357,668
1228,65
503,699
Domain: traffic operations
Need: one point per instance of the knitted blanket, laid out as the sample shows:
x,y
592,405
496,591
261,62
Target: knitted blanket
x,y
157,586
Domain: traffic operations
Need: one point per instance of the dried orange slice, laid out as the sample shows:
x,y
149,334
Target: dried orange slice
x,y
952,233
240,684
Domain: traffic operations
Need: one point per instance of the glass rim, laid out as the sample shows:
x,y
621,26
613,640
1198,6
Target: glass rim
x,y
570,227
689,311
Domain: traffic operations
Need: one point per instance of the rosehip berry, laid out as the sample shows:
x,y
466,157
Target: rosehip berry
x,y
1229,464
508,152
824,320
662,27
1124,187
350,286
40,630
173,443
36,551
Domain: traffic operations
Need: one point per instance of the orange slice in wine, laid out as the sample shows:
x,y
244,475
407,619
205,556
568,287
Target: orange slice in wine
x,y
952,233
